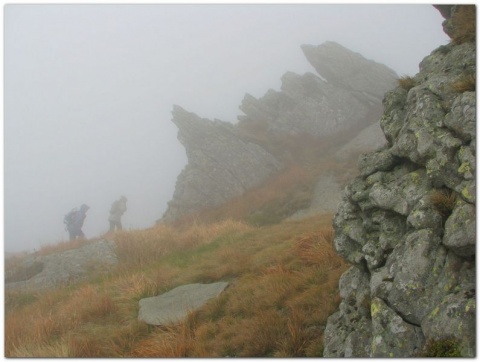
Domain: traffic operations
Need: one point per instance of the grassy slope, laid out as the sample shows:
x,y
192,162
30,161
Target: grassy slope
x,y
283,287
284,278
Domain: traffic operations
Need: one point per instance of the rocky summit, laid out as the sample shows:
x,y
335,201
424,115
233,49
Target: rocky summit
x,y
224,161
407,223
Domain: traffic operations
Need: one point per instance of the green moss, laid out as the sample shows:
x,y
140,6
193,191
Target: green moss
x,y
446,347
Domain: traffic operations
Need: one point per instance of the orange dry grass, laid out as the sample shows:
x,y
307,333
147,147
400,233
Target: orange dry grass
x,y
283,287
464,24
317,248
172,341
86,345
291,302
466,83
66,333
137,286
62,246
53,316
295,341
406,82
142,247
443,200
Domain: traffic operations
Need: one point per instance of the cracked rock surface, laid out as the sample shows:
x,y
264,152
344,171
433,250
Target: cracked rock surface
x,y
407,223
225,160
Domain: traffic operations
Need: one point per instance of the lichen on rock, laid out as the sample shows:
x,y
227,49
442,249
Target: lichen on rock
x,y
415,259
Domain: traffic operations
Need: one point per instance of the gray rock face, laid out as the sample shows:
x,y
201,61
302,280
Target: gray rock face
x,y
223,163
413,252
174,306
306,104
369,139
220,164
68,266
309,104
350,70
326,197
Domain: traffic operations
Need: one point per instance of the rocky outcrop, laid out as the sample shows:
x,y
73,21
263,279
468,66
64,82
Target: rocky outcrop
x,y
225,160
174,306
62,268
308,104
407,223
221,165
350,71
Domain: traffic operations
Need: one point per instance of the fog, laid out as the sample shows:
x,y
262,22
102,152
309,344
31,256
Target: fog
x,y
89,89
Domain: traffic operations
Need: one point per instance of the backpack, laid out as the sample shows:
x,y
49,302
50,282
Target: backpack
x,y
70,217
113,209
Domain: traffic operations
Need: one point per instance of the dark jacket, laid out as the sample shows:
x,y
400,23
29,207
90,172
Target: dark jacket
x,y
77,218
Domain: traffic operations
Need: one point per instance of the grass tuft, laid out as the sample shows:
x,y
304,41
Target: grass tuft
x,y
317,248
466,83
406,82
464,24
443,200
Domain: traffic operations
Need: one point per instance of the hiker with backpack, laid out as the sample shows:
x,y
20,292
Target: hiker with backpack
x,y
116,211
74,222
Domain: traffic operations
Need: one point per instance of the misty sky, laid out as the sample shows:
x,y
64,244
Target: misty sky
x,y
89,89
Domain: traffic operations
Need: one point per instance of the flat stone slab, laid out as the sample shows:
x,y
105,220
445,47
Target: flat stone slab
x,y
174,306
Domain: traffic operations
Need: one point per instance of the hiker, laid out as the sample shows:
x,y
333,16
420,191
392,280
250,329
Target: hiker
x,y
74,222
116,211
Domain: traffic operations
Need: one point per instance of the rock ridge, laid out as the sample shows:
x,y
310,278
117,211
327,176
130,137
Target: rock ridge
x,y
407,223
224,160
316,105
221,165
349,70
